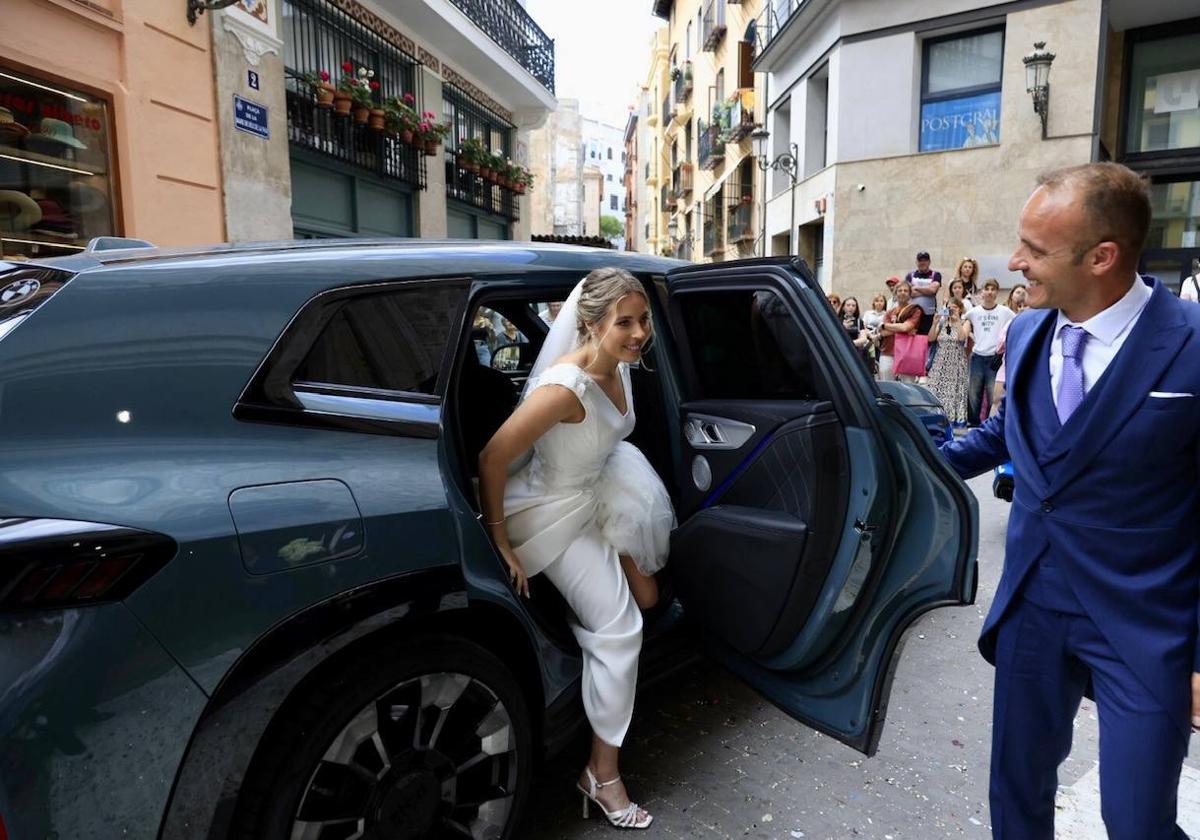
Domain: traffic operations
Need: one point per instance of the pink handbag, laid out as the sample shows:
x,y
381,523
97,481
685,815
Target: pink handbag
x,y
909,353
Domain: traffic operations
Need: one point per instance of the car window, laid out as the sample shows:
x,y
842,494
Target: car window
x,y
746,345
392,341
491,331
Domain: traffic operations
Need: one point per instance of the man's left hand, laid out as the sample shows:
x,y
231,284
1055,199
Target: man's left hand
x,y
1196,702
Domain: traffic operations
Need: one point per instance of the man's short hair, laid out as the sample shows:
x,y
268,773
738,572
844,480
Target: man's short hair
x,y
991,283
1115,201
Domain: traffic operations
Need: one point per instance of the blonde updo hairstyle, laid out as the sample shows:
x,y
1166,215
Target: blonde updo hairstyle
x,y
602,290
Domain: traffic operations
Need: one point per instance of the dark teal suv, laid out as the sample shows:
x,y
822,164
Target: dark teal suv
x,y
244,589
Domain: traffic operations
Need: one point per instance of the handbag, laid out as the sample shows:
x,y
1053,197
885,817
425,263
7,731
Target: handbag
x,y
910,351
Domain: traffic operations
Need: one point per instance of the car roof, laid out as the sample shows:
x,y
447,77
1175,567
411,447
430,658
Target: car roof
x,y
456,254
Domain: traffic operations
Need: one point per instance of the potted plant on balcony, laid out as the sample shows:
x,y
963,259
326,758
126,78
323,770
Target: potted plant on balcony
x,y
401,117
359,86
470,153
524,181
432,132
343,95
319,85
675,74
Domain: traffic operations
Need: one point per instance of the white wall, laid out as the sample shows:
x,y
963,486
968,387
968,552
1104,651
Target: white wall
x,y
878,86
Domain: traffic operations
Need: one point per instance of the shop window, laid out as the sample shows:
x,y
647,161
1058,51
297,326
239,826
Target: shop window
x,y
1175,220
960,90
56,187
1164,101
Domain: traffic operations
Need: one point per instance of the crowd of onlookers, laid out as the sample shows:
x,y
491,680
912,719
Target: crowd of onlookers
x,y
948,335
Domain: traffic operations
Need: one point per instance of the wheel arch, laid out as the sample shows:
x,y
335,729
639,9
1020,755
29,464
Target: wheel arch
x,y
281,666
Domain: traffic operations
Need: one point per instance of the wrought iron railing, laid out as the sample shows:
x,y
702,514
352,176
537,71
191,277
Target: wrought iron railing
x,y
340,137
774,18
737,118
683,249
683,82
739,225
681,180
711,146
477,185
319,36
511,27
713,24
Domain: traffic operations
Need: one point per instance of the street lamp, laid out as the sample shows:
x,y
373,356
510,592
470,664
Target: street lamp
x,y
673,234
783,162
1037,80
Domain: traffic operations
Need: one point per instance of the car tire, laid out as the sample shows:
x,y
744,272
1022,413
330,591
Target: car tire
x,y
428,739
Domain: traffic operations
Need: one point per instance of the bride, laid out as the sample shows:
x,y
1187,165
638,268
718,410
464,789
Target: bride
x,y
585,508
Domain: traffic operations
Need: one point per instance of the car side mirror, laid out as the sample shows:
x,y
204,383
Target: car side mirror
x,y
507,358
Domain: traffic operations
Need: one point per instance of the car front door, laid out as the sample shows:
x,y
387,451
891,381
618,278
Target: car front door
x,y
817,519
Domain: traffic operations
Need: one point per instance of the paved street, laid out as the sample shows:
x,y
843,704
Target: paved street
x,y
710,759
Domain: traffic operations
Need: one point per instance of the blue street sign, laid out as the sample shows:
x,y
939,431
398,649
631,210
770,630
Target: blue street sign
x,y
252,79
250,117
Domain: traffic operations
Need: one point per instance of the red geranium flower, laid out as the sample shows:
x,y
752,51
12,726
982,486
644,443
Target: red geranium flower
x,y
374,85
425,126
324,75
348,66
409,98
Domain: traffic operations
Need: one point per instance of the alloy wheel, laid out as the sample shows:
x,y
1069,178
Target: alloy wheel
x,y
433,757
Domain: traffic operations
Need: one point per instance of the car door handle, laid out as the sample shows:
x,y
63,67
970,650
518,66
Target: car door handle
x,y
705,432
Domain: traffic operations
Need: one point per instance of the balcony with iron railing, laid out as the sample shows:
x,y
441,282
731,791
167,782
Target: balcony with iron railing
x,y
739,224
710,146
713,232
683,82
736,116
712,28
681,180
683,250
508,24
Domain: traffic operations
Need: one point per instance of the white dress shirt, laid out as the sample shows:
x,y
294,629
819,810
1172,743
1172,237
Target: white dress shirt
x,y
1106,331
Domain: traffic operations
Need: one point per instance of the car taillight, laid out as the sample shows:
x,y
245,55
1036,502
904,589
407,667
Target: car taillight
x,y
46,563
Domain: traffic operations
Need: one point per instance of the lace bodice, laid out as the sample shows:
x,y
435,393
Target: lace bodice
x,y
571,455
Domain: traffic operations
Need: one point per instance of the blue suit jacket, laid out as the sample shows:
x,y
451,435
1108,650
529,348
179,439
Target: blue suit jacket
x,y
1121,515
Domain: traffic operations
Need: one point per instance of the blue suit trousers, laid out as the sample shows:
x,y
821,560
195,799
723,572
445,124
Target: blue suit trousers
x,y
1044,659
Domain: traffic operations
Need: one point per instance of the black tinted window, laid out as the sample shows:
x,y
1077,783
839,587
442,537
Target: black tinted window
x,y
747,345
394,341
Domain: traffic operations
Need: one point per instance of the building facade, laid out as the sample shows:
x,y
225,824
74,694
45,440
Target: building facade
x,y
628,179
97,136
483,67
702,109
913,129
604,147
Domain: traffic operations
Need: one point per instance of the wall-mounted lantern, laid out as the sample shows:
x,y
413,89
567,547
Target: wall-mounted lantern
x,y
1037,80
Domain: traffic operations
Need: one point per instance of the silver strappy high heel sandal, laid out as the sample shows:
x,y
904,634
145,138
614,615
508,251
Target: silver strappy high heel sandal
x,y
626,817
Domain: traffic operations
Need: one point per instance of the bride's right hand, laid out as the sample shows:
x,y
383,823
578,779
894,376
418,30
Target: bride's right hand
x,y
516,572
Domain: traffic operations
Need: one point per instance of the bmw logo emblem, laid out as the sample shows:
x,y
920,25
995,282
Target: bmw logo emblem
x,y
18,292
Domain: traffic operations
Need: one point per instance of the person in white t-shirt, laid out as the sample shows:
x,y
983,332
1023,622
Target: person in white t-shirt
x,y
986,320
1190,290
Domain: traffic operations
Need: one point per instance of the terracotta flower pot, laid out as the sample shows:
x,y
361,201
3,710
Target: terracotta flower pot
x,y
325,95
473,167
520,189
361,115
461,162
342,102
377,116
406,136
431,148
485,173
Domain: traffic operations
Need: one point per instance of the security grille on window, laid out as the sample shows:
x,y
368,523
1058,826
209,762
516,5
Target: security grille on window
x,y
960,90
471,120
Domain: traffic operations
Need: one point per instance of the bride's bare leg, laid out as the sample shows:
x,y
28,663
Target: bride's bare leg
x,y
604,766
643,587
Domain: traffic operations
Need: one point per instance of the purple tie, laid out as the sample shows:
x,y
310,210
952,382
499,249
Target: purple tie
x,y
1070,385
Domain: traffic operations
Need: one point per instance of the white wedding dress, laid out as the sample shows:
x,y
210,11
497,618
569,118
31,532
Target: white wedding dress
x,y
584,498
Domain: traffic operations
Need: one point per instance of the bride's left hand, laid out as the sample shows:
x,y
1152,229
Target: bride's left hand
x,y
516,572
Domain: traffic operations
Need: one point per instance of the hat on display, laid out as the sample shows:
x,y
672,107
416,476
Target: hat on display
x,y
10,126
85,199
60,132
18,211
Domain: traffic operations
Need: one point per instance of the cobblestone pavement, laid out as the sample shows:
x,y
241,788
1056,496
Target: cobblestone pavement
x,y
710,759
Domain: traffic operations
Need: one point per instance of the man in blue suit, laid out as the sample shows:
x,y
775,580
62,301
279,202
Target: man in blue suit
x,y
1102,565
